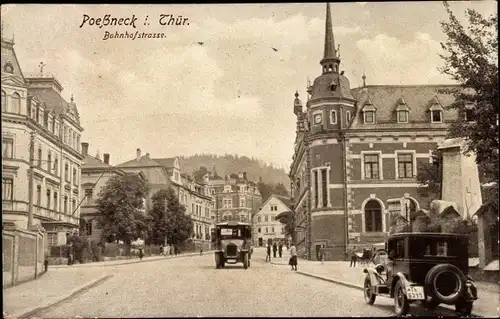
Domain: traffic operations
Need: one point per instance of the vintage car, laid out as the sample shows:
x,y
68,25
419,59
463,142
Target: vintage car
x,y
427,267
232,242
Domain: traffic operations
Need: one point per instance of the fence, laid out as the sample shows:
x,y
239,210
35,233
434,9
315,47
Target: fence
x,y
23,254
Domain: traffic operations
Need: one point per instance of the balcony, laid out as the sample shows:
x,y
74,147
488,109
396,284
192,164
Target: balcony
x,y
45,212
14,206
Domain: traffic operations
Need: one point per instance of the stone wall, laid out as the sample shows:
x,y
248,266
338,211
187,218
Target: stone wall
x,y
23,254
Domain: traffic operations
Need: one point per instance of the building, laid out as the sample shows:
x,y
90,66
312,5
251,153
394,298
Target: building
x,y
357,153
95,175
265,226
42,130
236,197
195,196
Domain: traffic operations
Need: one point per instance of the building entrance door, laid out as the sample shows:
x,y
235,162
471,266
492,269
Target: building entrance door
x,y
260,242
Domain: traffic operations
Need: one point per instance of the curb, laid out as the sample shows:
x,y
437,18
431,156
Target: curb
x,y
34,310
135,261
354,286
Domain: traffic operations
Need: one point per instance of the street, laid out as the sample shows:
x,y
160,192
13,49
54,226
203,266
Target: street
x,y
193,287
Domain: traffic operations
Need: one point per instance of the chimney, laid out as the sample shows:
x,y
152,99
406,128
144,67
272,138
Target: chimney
x,y
106,158
85,148
147,155
138,154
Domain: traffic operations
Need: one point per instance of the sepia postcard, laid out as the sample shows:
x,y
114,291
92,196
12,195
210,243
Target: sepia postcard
x,y
250,160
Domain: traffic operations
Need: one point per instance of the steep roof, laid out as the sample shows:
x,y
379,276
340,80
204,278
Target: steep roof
x,y
280,198
167,162
8,56
418,98
144,161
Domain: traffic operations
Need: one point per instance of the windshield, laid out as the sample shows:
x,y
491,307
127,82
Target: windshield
x,y
231,233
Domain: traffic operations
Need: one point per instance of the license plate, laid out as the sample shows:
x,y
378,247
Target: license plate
x,y
415,293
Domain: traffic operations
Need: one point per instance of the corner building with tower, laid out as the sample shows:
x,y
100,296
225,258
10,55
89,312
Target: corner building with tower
x,y
357,153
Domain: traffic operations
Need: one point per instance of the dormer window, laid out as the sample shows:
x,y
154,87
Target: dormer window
x,y
369,117
402,111
436,110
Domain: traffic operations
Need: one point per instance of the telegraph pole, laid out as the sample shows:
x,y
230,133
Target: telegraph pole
x,y
30,179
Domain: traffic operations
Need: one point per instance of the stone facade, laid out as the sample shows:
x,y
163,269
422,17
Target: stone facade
x,y
357,155
41,127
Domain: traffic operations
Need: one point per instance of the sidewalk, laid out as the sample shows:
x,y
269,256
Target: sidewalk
x,y
127,261
339,272
63,282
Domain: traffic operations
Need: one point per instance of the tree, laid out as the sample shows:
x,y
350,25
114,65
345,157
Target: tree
x,y
287,218
280,189
472,60
266,190
430,175
169,219
200,173
120,204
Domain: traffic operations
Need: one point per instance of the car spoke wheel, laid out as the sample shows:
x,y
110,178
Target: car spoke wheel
x,y
401,304
369,295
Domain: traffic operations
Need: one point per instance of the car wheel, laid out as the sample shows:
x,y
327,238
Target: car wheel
x,y
368,291
445,283
401,304
464,308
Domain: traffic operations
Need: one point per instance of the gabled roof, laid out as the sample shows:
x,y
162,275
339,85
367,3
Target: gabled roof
x,y
167,162
92,162
144,161
280,198
8,55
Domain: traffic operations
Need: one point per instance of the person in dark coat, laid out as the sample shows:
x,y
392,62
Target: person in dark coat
x,y
280,249
141,254
268,252
275,249
354,257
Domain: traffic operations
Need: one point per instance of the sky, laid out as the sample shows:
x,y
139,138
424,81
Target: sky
x,y
232,94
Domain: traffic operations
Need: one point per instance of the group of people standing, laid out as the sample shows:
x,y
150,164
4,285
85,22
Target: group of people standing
x,y
278,248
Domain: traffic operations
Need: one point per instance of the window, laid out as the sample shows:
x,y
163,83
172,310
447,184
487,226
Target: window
x,y
272,229
396,249
89,192
192,209
259,219
52,239
48,198
469,115
267,230
333,117
373,216
65,134
265,218
4,101
436,116
242,202
39,164
37,114
65,204
371,166
8,148
348,117
49,162
316,189
74,176
228,203
405,165
55,201
7,188
16,103
260,230
56,166
73,204
88,228
39,195
66,172
46,119
369,117
274,208
324,188
402,116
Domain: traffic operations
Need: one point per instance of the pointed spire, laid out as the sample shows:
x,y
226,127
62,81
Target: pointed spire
x,y
329,52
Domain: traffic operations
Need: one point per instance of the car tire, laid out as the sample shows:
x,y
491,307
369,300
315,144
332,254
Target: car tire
x,y
368,291
464,307
432,290
401,303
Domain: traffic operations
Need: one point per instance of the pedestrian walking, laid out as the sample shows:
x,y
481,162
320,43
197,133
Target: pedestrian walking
x,y
275,249
280,249
161,250
141,254
201,251
293,257
354,257
322,257
268,252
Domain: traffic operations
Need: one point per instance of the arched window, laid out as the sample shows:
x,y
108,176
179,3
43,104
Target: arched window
x,y
16,103
4,101
373,216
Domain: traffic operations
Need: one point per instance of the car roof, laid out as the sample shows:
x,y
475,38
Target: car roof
x,y
232,224
426,235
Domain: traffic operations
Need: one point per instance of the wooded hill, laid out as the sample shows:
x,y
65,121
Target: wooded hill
x,y
232,164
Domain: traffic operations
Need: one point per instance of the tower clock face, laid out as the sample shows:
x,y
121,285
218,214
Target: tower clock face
x,y
317,119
